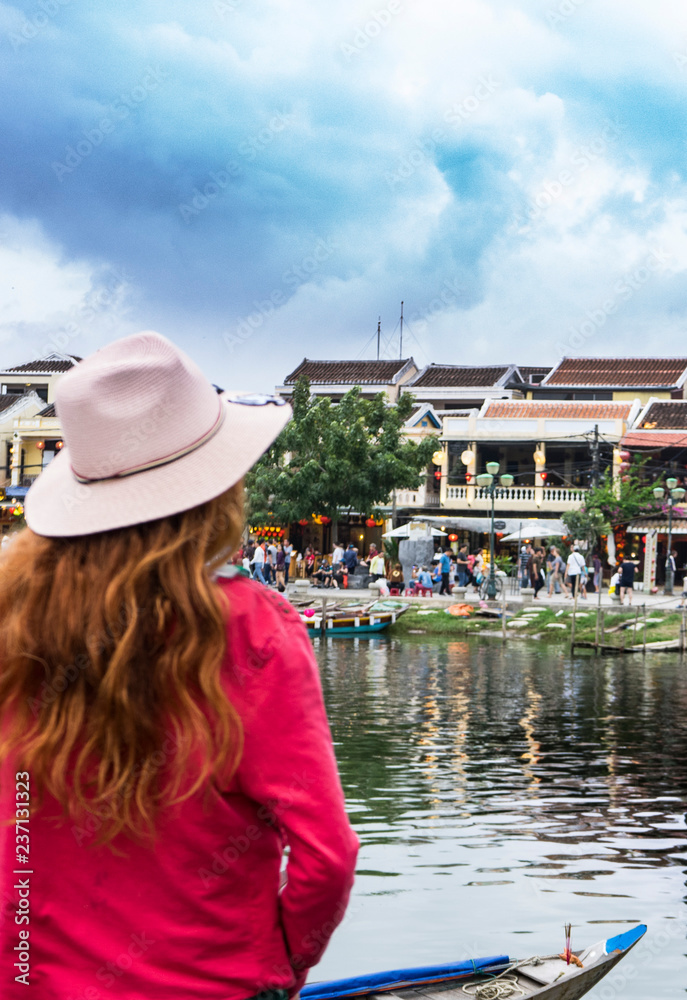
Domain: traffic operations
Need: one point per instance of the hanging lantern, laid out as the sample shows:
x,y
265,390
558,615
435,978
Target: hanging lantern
x,y
379,522
438,458
18,510
303,522
325,520
453,538
539,457
543,476
467,457
40,445
468,477
59,445
370,522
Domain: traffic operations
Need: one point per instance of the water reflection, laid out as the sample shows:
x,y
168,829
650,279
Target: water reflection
x,y
499,793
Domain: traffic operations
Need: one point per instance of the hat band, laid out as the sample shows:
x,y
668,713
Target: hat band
x,y
167,460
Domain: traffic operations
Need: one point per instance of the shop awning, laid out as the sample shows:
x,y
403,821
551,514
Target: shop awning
x,y
531,527
658,524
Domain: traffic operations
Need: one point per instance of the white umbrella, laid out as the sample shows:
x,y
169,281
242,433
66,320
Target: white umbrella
x,y
537,529
412,528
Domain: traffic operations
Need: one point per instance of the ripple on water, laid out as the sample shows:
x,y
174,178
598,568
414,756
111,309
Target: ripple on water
x,y
472,762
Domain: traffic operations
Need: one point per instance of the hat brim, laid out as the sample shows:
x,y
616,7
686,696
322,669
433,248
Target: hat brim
x,y
59,506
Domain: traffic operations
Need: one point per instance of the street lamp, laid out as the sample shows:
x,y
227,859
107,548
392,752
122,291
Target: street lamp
x,y
487,481
675,492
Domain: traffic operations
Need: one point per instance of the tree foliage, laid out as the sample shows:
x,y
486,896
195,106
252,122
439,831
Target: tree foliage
x,y
336,457
613,503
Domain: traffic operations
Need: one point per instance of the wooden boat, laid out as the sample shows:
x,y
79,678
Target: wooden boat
x,y
495,978
353,620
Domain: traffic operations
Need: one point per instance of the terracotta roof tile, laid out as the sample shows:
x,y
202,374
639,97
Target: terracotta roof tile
x,y
457,376
347,372
618,372
658,439
8,399
668,414
554,410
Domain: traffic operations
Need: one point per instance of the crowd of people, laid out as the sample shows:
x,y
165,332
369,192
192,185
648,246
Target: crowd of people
x,y
274,562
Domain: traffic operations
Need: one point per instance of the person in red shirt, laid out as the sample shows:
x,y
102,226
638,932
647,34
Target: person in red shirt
x,y
163,737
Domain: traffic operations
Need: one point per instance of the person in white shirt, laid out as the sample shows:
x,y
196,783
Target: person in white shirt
x,y
259,562
575,572
338,554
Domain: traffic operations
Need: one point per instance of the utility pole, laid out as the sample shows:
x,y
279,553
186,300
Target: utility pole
x,y
379,334
400,351
594,447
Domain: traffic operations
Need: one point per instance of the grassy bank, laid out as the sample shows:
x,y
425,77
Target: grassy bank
x,y
547,624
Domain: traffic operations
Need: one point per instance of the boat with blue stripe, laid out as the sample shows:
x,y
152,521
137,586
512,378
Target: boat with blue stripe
x,y
565,976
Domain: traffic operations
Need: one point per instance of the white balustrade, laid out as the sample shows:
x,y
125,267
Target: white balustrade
x,y
550,494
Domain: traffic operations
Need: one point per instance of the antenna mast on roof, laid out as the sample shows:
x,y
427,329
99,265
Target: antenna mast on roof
x,y
400,346
379,334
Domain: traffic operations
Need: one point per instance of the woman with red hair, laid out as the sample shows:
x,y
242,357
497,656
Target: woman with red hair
x,y
162,732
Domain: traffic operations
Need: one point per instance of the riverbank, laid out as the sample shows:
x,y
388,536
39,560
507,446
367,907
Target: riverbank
x,y
614,629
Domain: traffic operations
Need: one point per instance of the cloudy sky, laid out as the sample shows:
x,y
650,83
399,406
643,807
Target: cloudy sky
x,y
261,179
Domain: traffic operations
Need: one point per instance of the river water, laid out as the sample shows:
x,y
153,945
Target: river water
x,y
501,793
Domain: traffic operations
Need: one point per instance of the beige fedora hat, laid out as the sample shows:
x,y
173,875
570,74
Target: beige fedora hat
x,y
145,436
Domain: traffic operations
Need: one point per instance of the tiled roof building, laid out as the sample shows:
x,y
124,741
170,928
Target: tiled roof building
x,y
613,378
334,378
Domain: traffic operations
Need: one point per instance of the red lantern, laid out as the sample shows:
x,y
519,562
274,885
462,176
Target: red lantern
x,y
624,456
453,538
325,520
543,476
468,476
303,522
370,522
40,445
59,445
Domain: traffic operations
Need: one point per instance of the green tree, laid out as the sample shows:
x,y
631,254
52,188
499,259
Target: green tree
x,y
337,457
614,502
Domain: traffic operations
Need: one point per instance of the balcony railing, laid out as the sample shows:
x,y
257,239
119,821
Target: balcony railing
x,y
545,496
417,498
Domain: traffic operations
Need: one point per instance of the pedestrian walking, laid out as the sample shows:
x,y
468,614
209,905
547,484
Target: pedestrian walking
x,y
537,577
627,578
557,582
169,725
288,553
259,558
598,571
462,566
280,568
445,571
575,572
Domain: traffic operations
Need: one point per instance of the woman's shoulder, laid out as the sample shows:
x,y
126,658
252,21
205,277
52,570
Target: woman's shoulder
x,y
252,602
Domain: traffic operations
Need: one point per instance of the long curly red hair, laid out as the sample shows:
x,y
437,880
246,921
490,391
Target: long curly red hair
x,y
110,653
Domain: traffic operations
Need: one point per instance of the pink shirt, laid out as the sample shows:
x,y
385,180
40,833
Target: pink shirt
x,y
201,916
